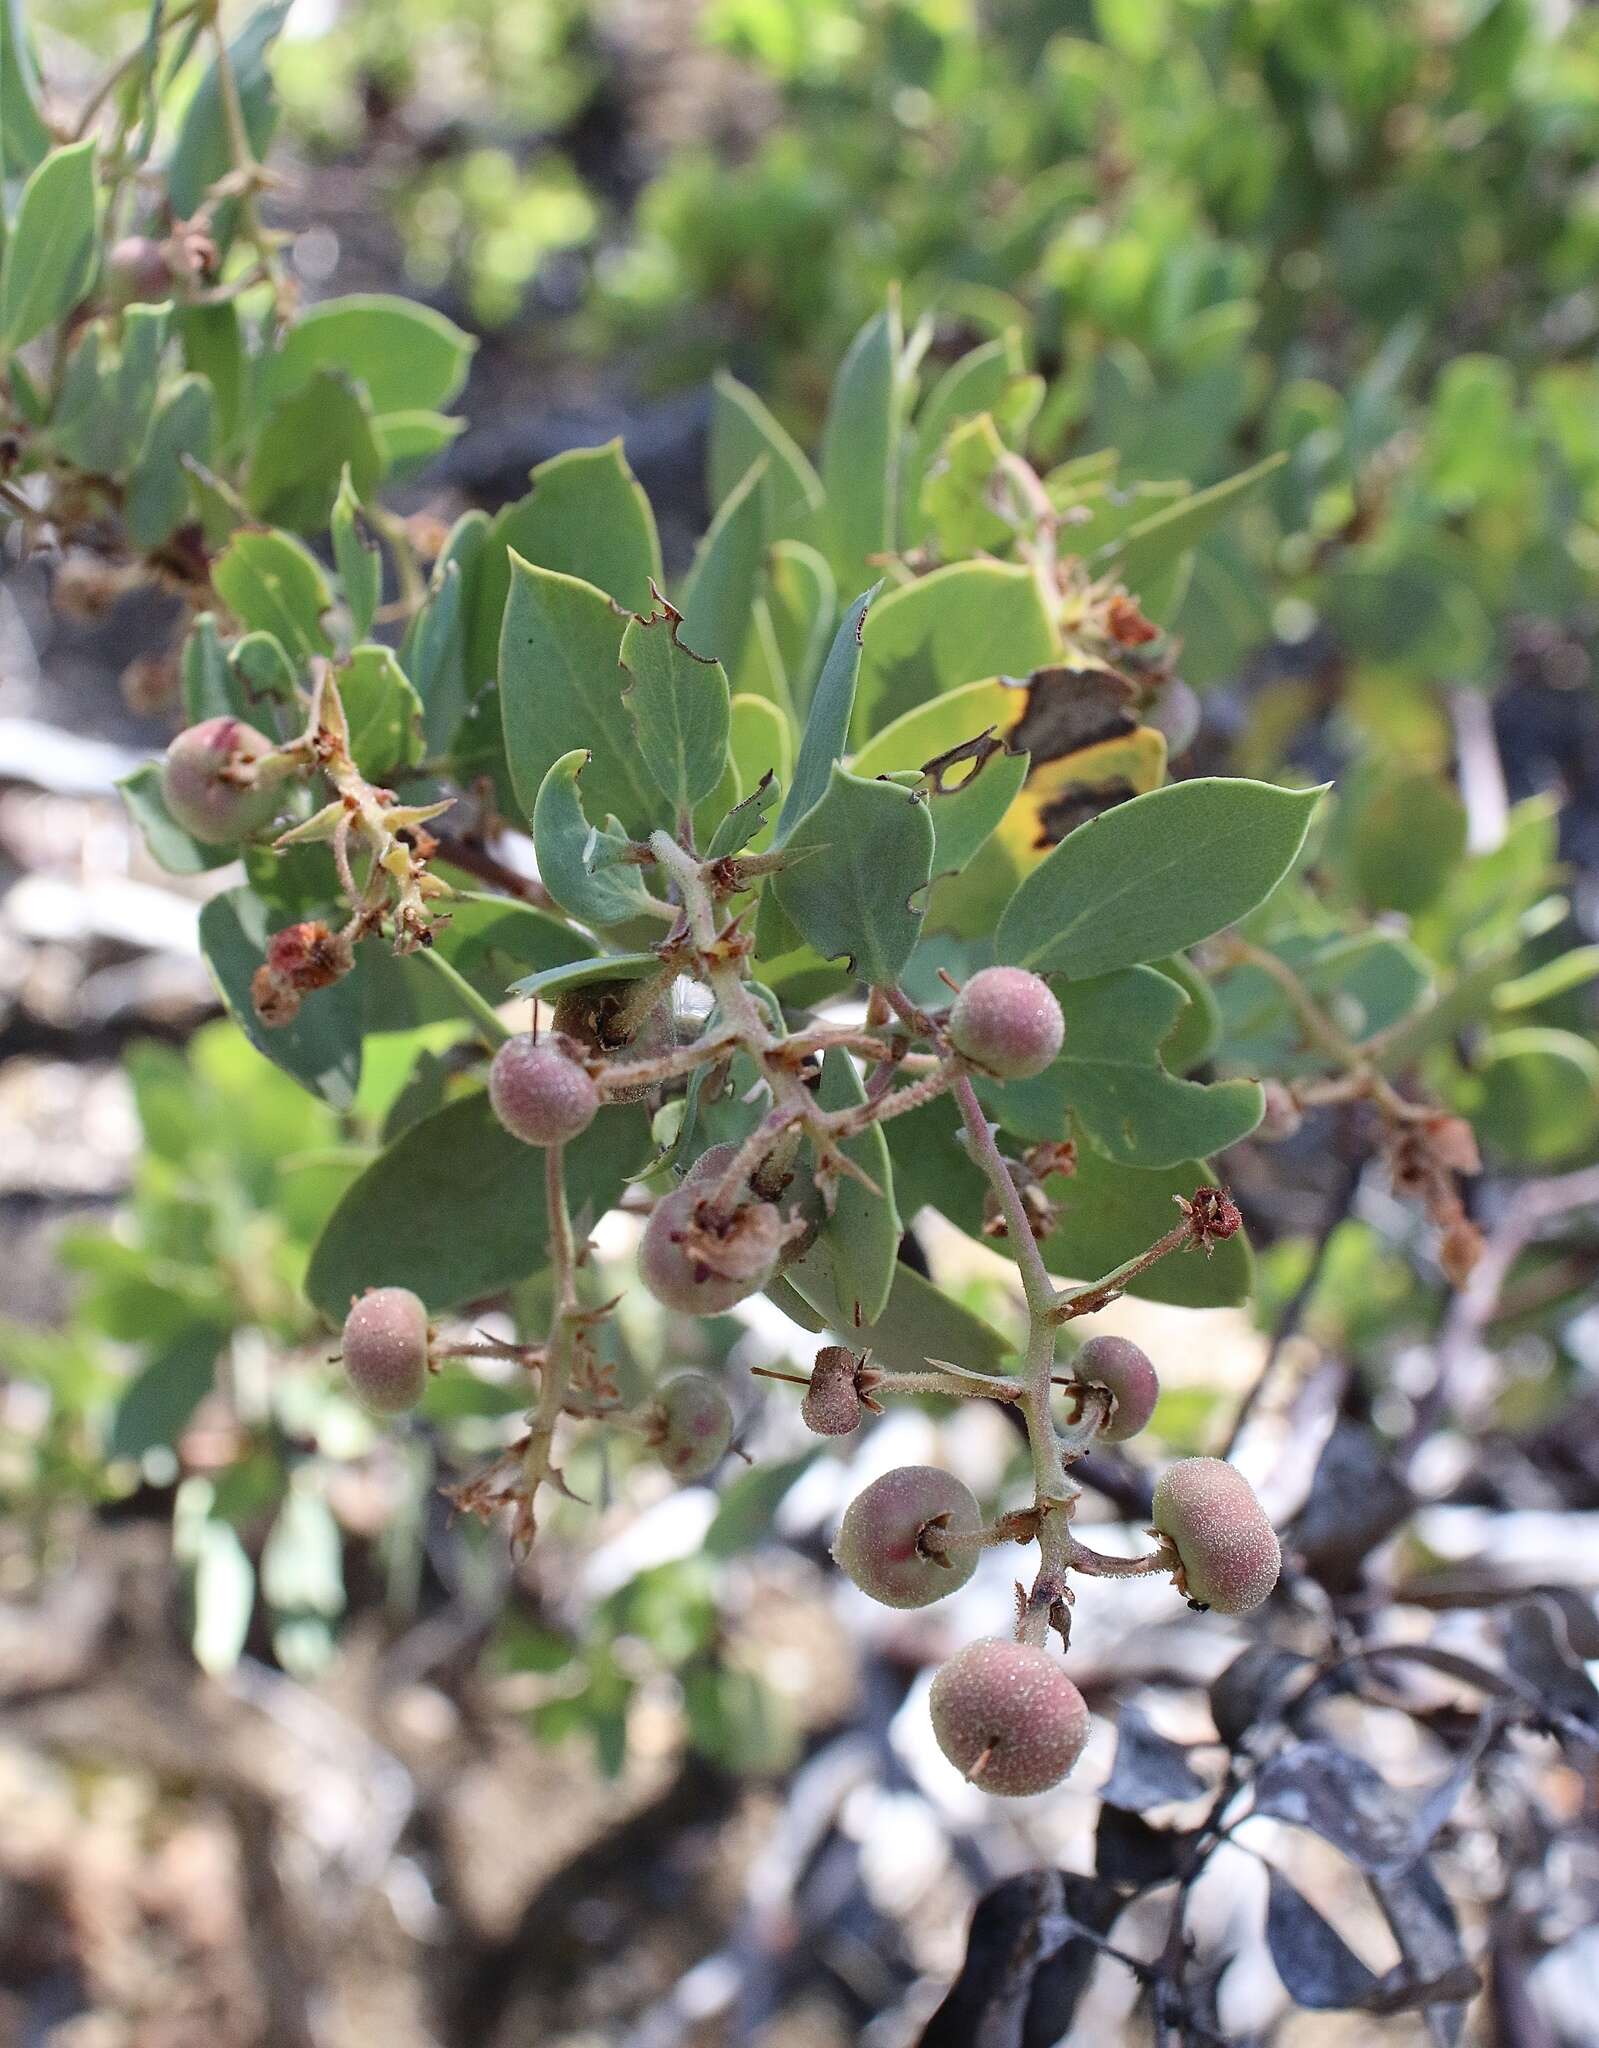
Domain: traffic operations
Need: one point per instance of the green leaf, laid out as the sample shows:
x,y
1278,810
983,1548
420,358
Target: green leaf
x,y
873,854
265,674
408,441
409,357
585,517
269,581
961,624
321,1048
169,845
435,650
801,602
210,689
157,501
1111,1078
1154,875
957,495
1197,1032
384,712
49,257
306,443
204,150
1367,981
973,800
861,450
921,1322
561,682
742,432
158,1401
744,821
977,382
24,138
1150,546
761,742
1552,979
566,845
846,1274
1537,1096
827,723
1400,839
213,347
356,556
485,1224
680,708
720,590
551,982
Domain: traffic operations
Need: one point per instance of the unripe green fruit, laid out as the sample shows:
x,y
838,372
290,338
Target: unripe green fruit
x,y
198,785
1008,1022
879,1542
1007,1717
1125,1371
832,1404
691,1262
695,1421
1226,1547
538,1094
386,1349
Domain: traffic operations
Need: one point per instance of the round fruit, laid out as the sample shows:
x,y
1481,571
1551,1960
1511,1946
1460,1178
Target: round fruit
x,y
1227,1549
1008,1022
832,1405
207,785
1007,1717
695,1422
538,1094
879,1543
1125,1371
136,269
386,1349
693,1262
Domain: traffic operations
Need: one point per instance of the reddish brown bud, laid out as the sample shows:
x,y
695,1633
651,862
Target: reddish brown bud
x,y
300,959
1212,1215
1008,1718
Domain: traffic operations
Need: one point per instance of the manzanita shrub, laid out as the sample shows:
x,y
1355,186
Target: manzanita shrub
x,y
842,877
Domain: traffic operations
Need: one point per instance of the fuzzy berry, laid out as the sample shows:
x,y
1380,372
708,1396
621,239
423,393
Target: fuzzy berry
x,y
832,1403
386,1349
1007,1022
540,1095
1007,1717
207,782
1125,1371
1227,1549
693,1425
879,1543
700,1264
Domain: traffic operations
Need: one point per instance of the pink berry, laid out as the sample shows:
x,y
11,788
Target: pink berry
x,y
208,781
386,1349
1227,1549
880,1541
701,1264
1007,1717
1125,1371
694,1421
540,1095
1007,1022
